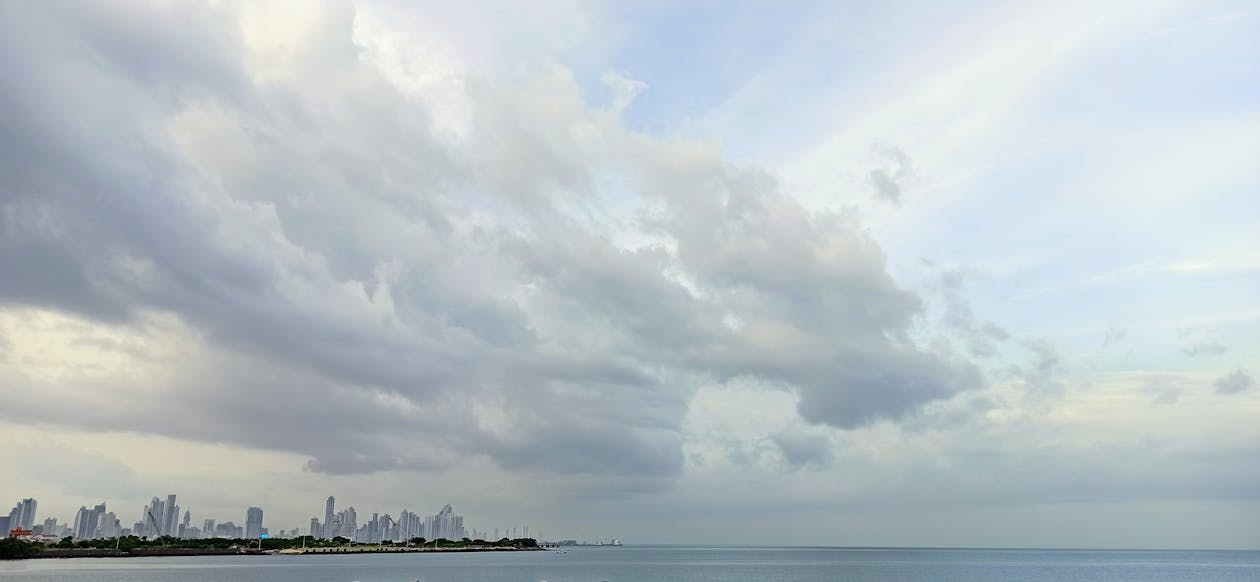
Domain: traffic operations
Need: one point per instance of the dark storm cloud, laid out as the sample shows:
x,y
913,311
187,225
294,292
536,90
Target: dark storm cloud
x,y
376,297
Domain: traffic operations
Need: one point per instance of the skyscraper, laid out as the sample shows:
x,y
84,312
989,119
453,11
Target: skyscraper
x,y
152,517
87,522
170,517
107,525
253,522
349,522
22,515
447,525
328,518
409,525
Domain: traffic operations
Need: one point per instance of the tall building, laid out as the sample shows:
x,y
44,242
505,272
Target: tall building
x,y
22,515
446,525
390,528
328,518
348,522
160,518
316,529
170,517
87,522
409,526
253,522
183,526
108,526
207,528
228,529
153,517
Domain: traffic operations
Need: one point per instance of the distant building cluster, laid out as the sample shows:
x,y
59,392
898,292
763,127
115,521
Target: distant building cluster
x,y
164,517
161,517
21,517
408,525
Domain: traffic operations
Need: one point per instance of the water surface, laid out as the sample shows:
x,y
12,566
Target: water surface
x,y
667,564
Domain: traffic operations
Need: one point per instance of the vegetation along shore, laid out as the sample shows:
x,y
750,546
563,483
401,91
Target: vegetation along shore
x,y
132,546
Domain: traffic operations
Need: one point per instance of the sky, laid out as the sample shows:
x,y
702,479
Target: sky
x,y
820,273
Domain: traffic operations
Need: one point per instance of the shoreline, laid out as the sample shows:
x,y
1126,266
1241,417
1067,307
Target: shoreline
x,y
396,550
66,553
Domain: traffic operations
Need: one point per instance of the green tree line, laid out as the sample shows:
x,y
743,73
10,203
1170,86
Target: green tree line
x,y
14,548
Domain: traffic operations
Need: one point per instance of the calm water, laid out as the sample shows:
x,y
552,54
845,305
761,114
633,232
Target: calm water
x,y
665,564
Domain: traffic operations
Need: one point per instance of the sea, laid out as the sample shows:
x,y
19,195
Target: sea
x,y
666,564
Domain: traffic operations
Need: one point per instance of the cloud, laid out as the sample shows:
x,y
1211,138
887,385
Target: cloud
x,y
76,471
1044,374
386,275
801,450
980,337
1204,348
624,87
369,241
1113,336
1235,382
1163,389
887,180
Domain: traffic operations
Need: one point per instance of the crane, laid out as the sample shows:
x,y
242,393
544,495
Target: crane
x,y
156,528
390,520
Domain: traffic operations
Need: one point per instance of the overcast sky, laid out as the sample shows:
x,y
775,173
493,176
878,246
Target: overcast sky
x,y
716,272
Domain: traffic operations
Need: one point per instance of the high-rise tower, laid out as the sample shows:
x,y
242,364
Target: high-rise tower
x,y
23,515
329,530
253,522
169,517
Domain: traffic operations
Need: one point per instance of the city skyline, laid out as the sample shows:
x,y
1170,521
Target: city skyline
x,y
161,517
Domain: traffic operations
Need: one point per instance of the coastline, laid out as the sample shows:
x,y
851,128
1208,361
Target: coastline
x,y
67,553
63,553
